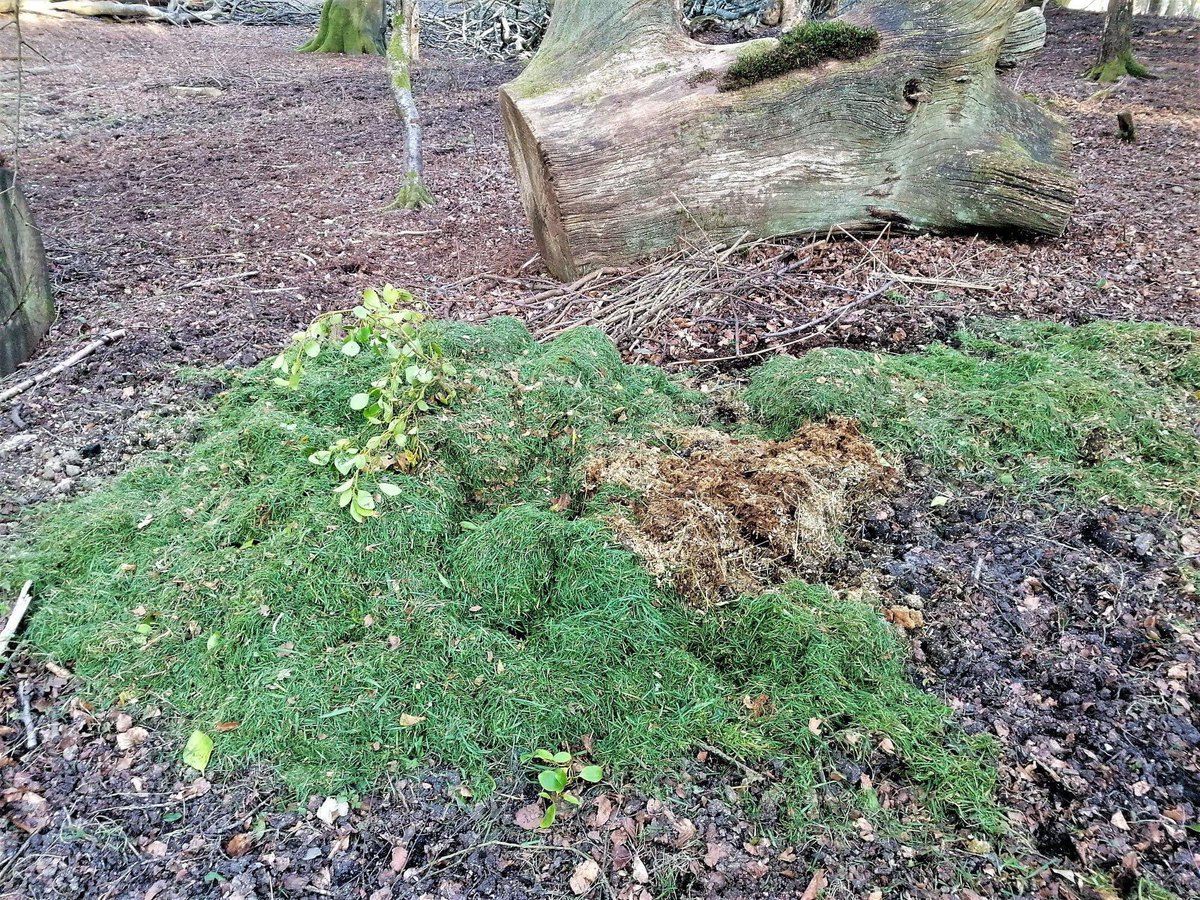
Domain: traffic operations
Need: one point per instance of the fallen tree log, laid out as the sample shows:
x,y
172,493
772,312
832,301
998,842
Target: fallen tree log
x,y
626,146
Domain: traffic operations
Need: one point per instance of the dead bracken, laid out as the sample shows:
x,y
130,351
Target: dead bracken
x,y
723,517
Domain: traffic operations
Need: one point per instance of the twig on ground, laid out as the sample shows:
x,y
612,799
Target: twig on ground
x,y
22,386
751,774
27,715
14,618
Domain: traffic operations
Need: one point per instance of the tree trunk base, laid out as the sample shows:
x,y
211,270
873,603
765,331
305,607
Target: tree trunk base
x,y
1116,69
26,304
352,27
625,148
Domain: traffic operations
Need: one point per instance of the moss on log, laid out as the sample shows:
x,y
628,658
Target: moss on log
x,y
624,146
26,305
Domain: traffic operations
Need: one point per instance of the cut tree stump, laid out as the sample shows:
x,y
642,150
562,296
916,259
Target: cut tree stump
x,y
26,305
625,147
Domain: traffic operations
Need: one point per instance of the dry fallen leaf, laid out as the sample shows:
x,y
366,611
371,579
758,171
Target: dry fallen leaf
x,y
226,726
332,810
399,859
529,817
584,877
131,738
639,872
815,886
408,721
1118,819
604,811
239,844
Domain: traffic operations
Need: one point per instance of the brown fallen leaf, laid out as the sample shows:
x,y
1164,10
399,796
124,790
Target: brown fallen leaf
x,y
239,844
131,737
226,726
407,720
815,886
399,859
714,853
558,504
604,811
529,817
584,877
905,617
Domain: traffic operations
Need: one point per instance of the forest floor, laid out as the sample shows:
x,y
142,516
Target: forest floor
x,y
209,190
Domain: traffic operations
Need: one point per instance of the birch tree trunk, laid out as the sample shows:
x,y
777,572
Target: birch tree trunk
x,y
401,51
625,147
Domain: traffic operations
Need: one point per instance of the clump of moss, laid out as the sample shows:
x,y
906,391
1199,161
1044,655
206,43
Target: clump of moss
x,y
1117,68
803,47
1106,409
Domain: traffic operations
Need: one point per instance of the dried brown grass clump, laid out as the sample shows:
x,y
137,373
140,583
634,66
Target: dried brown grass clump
x,y
722,516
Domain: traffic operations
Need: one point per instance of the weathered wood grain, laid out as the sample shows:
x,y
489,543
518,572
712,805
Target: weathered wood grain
x,y
624,148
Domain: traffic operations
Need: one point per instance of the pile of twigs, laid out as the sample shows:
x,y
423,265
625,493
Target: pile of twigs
x,y
493,29
760,286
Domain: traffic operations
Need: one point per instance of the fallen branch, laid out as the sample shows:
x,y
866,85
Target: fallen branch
x,y
14,618
22,386
27,715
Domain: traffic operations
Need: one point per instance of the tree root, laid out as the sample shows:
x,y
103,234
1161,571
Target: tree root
x,y
1116,69
413,194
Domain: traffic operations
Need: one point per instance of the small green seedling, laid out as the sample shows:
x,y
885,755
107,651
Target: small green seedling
x,y
417,380
558,780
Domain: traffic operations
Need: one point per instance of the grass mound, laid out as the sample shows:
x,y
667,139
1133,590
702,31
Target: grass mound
x,y
1103,409
480,616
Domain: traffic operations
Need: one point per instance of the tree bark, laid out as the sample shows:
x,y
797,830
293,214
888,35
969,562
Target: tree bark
x,y
354,27
624,147
1116,59
26,304
413,193
1024,40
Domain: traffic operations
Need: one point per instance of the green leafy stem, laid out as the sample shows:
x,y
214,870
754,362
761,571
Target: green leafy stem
x,y
418,379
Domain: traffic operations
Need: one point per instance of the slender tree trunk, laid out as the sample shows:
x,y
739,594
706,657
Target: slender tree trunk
x,y
349,26
413,193
1116,45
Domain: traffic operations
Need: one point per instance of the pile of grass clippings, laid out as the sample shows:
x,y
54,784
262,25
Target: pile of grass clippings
x,y
717,517
488,612
1103,410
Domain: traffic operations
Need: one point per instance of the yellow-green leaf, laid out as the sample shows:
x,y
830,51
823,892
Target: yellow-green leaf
x,y
197,751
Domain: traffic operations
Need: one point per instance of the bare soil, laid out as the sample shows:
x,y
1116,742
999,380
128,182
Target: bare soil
x,y
211,223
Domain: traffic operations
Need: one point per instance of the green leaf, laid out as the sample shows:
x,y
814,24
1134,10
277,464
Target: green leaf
x,y
351,348
545,755
197,751
360,402
320,458
591,774
313,349
554,780
390,490
562,757
551,813
572,799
